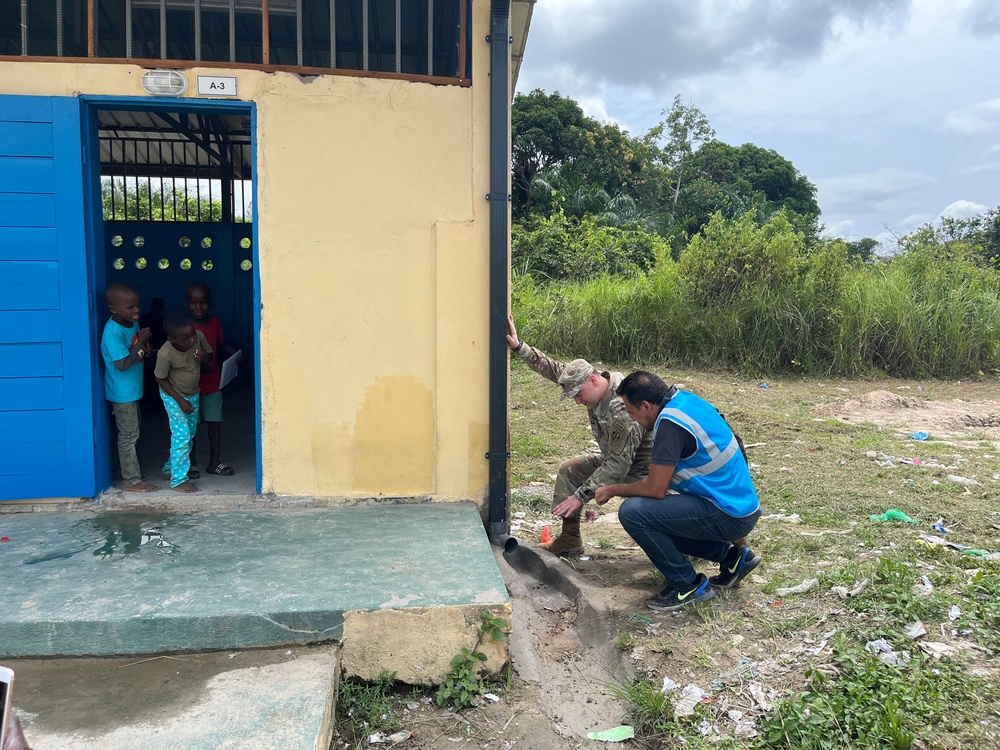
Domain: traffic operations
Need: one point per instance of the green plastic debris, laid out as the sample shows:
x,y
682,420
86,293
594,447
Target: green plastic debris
x,y
617,734
637,616
893,515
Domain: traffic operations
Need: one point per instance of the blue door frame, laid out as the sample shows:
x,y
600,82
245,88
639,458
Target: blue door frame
x,y
95,240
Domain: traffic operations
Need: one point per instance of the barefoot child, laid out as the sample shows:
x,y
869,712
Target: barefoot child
x,y
123,347
179,364
199,302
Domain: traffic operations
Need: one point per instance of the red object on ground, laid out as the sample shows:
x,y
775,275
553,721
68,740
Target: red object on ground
x,y
546,535
4,539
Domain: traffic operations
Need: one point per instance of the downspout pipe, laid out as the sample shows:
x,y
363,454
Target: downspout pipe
x,y
499,198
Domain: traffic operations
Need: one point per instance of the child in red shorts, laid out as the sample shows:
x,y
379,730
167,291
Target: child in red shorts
x,y
199,301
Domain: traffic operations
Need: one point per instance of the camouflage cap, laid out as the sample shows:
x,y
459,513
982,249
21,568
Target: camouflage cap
x,y
574,375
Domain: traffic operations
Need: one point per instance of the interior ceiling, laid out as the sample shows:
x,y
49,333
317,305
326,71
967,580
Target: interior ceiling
x,y
198,142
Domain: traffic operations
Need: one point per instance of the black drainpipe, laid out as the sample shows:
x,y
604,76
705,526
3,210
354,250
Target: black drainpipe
x,y
499,198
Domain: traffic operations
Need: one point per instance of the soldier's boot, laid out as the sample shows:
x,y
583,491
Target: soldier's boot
x,y
569,541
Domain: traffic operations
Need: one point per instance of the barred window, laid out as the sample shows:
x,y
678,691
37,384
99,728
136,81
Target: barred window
x,y
411,37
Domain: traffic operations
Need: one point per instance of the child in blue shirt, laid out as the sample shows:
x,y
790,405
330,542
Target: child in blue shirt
x,y
124,347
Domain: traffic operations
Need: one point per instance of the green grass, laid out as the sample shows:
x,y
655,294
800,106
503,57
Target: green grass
x,y
853,700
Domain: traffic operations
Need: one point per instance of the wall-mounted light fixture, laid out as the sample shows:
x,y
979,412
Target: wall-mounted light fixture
x,y
165,82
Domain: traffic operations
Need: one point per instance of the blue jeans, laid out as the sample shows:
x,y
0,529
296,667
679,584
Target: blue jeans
x,y
671,527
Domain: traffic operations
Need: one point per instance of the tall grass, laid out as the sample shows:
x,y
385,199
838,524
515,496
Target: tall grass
x,y
930,312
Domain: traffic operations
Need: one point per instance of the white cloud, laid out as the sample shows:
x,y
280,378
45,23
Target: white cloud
x,y
913,221
986,166
963,210
854,191
840,229
977,120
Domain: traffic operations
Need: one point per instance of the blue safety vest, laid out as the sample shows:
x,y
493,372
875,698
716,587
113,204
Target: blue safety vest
x,y
717,469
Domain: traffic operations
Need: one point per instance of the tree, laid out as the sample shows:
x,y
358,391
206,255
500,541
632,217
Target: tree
x,y
863,250
677,139
141,200
734,180
546,132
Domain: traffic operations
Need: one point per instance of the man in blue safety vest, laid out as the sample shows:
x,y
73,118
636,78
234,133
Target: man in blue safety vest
x,y
712,501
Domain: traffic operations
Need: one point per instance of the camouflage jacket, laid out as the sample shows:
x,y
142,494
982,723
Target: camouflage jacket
x,y
626,446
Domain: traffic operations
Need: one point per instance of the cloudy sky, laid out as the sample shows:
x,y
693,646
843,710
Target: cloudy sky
x,y
890,107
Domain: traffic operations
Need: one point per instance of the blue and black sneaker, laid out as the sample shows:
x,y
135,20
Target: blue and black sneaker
x,y
741,560
674,598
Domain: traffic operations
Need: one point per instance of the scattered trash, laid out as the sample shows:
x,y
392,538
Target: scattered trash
x,y
921,435
637,616
546,535
691,696
914,630
939,527
893,515
616,734
937,649
585,558
380,738
753,445
845,593
706,728
886,653
785,468
954,613
802,588
961,480
923,589
759,694
668,685
763,385
624,547
591,515
793,518
936,540
4,538
743,727
234,654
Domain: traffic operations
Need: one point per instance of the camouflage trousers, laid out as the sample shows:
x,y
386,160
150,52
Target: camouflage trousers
x,y
574,473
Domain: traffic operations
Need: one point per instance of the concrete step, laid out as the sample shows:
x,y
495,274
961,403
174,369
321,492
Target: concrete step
x,y
401,586
280,699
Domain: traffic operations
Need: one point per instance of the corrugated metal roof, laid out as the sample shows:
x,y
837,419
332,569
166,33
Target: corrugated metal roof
x,y
182,142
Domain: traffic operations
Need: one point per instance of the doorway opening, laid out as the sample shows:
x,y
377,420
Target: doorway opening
x,y
176,187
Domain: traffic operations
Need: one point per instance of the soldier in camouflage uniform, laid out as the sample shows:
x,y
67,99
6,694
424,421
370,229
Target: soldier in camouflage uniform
x,y
625,445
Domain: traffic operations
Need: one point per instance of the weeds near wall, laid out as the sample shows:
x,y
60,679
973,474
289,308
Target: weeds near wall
x,y
463,686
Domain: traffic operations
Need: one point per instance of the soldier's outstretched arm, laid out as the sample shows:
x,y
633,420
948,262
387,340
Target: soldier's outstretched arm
x,y
535,359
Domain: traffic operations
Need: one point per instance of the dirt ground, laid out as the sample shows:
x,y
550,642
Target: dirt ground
x,y
747,648
955,419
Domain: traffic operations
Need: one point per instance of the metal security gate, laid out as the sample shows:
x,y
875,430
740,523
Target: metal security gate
x,y
47,373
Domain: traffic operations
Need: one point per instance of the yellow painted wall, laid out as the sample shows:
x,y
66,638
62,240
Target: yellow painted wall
x,y
373,236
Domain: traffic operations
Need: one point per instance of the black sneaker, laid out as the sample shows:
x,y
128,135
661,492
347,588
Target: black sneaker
x,y
670,598
730,574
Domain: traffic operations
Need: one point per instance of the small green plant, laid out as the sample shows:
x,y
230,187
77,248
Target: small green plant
x,y
649,707
364,707
625,640
463,685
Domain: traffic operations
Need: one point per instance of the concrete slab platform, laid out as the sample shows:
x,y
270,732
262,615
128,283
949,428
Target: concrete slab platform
x,y
281,699
113,582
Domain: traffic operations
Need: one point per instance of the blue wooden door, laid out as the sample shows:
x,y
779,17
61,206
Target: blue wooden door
x,y
48,446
